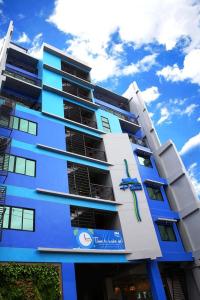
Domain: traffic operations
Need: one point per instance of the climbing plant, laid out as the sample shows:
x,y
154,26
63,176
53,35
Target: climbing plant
x,y
29,282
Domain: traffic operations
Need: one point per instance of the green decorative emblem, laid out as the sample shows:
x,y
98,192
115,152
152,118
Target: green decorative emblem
x,y
133,185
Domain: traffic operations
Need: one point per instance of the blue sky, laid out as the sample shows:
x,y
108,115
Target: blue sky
x,y
155,43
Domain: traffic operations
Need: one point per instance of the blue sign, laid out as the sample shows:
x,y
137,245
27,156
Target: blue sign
x,y
131,183
98,239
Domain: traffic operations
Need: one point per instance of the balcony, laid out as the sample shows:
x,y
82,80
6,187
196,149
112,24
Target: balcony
x,y
139,141
93,218
85,145
20,74
76,90
68,68
80,115
11,99
89,182
22,65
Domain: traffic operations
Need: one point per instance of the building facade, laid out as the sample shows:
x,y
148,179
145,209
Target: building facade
x,y
86,184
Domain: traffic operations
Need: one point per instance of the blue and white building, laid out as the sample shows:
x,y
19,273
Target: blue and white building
x,y
86,184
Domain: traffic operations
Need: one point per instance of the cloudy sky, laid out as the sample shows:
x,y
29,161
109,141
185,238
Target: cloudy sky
x,y
155,43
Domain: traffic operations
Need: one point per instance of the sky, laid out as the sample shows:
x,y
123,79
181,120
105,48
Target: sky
x,y
155,43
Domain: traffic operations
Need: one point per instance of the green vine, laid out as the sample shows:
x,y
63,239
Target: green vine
x,y
29,282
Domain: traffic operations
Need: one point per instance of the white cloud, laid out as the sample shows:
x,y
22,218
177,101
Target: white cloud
x,y
20,16
192,143
198,119
190,70
36,46
192,171
164,115
190,109
151,94
136,23
142,65
23,38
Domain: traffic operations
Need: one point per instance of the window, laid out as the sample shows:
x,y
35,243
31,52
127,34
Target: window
x,y
18,218
20,165
105,124
23,125
145,161
154,193
167,232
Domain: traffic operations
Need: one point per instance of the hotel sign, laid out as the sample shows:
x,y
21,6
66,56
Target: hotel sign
x,y
98,239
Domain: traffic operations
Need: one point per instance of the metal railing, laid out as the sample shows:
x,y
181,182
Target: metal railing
x,y
102,192
77,143
20,64
138,141
21,76
131,119
75,90
76,114
71,70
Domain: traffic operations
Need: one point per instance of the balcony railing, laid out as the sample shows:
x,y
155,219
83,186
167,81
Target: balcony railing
x,y
22,76
131,119
76,114
22,65
74,71
75,90
95,191
137,141
79,143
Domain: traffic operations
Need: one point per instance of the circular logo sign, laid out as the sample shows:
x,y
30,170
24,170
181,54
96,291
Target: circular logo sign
x,y
85,239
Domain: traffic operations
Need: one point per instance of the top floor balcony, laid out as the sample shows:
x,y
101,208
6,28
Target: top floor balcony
x,y
75,71
76,90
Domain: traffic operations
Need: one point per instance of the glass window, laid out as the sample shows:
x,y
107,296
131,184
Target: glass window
x,y
167,232
6,217
154,193
32,128
15,124
23,125
20,165
18,218
145,161
105,124
28,219
11,162
30,167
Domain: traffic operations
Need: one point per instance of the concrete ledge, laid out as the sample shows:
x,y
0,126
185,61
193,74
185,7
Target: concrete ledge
x,y
80,250
76,197
176,176
70,76
73,122
186,211
164,147
153,182
73,154
70,96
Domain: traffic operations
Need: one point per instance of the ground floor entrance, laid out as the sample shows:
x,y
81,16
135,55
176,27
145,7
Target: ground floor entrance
x,y
132,281
112,282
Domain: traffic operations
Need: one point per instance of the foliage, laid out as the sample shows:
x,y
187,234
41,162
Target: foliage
x,y
29,282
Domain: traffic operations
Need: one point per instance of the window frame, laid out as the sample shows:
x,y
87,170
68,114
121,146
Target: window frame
x,y
153,188
167,225
145,157
10,218
105,124
14,164
11,124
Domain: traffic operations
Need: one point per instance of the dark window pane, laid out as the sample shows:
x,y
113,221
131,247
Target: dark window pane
x,y
28,219
32,129
23,125
155,193
16,218
167,232
30,167
20,165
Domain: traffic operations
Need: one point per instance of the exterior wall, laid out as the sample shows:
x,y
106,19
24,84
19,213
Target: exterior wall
x,y
141,244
